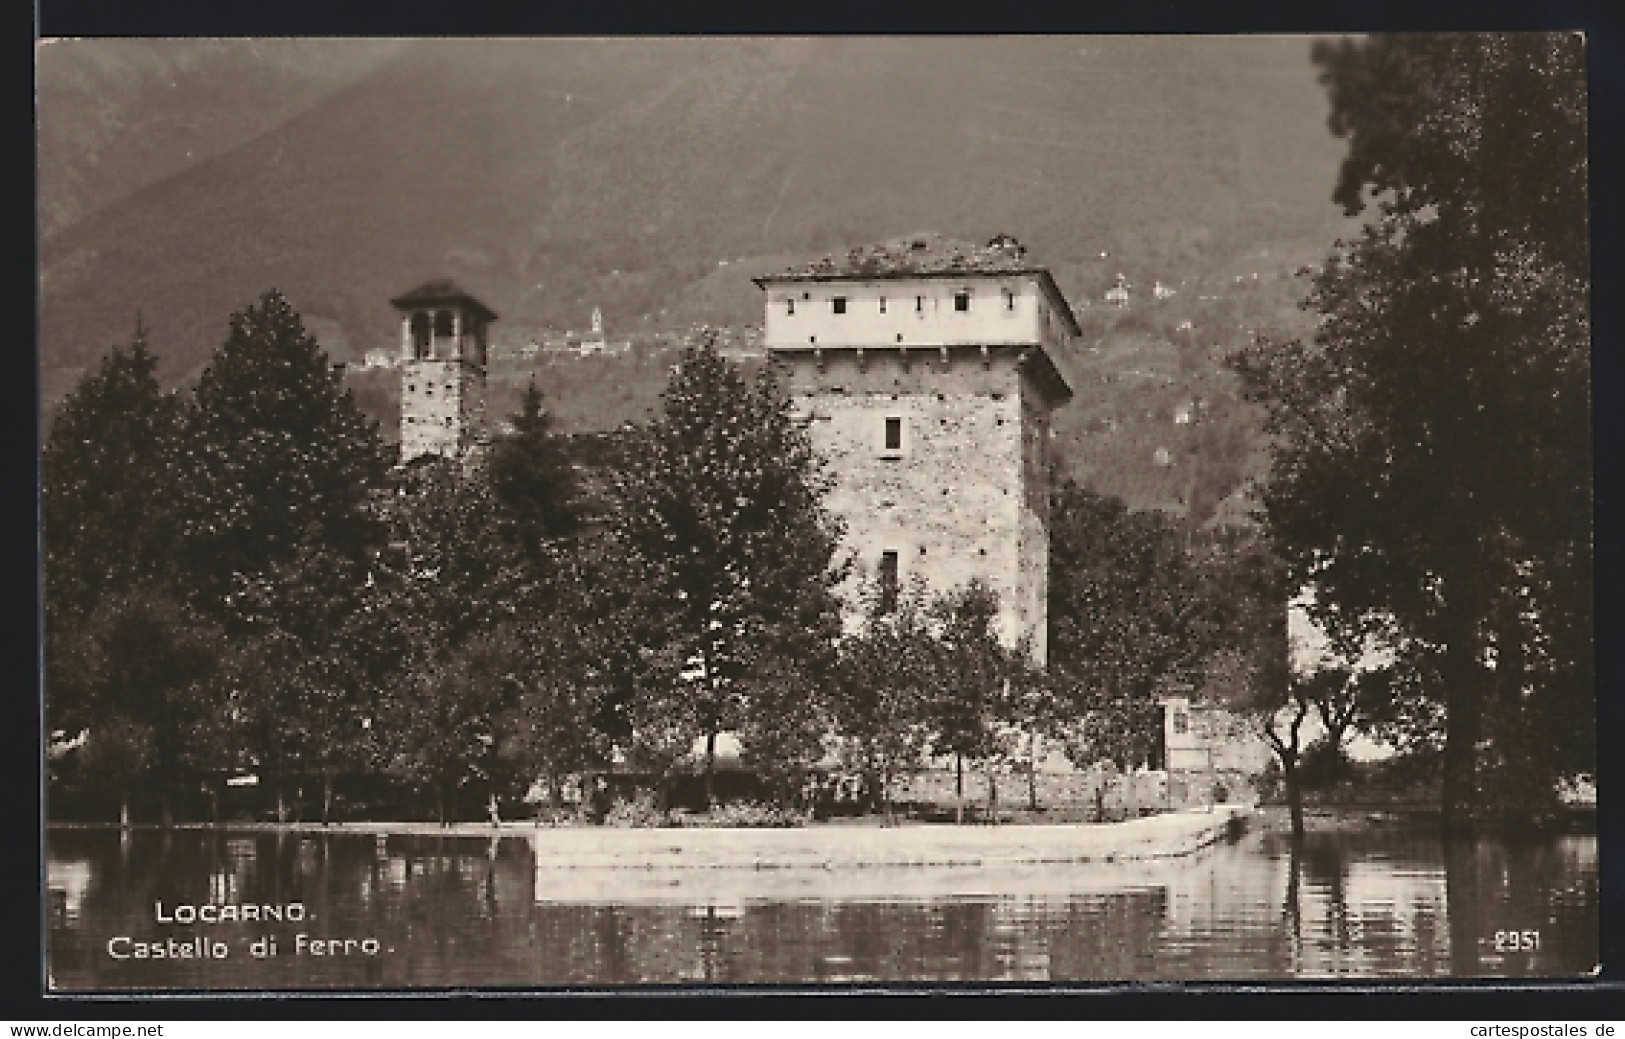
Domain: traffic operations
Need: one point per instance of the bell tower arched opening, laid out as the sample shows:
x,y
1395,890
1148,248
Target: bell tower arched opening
x,y
443,351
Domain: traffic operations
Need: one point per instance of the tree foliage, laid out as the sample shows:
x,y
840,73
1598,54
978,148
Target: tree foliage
x,y
274,452
132,682
1128,622
447,601
553,727
531,476
1432,468
722,519
982,697
103,471
439,725
886,688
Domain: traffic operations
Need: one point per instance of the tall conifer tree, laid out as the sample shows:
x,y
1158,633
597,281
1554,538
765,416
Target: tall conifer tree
x,y
275,453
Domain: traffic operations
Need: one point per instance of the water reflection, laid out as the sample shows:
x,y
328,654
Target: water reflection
x,y
461,911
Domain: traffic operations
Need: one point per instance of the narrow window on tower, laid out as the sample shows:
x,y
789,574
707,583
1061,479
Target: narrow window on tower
x,y
882,304
790,308
961,301
919,304
893,446
1009,299
838,304
888,581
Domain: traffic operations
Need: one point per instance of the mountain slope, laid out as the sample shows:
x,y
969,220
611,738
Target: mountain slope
x,y
117,115
552,175
652,177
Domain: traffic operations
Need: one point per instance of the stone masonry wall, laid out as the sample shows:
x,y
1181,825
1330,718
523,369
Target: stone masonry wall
x,y
1080,795
442,407
1033,533
954,501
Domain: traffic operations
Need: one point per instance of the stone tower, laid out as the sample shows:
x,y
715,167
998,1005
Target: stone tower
x,y
926,371
443,347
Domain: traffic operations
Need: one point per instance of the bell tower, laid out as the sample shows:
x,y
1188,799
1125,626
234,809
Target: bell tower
x,y
443,352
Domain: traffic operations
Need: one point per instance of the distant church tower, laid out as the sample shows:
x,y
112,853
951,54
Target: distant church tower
x,y
443,348
926,370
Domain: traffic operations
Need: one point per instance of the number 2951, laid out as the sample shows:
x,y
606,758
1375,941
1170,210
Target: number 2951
x,y
1517,941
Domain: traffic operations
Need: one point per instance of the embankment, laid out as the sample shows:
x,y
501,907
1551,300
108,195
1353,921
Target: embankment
x,y
717,866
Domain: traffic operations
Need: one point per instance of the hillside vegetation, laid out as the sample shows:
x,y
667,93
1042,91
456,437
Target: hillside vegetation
x,y
653,177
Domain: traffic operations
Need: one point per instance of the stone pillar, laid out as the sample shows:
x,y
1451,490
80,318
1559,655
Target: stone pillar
x,y
457,334
406,337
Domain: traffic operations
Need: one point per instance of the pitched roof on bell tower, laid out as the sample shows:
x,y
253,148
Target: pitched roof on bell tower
x,y
442,292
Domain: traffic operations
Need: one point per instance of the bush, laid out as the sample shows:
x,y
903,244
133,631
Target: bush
x,y
743,815
567,817
641,811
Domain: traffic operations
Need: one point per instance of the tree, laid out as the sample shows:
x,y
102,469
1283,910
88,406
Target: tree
x,y
973,702
316,646
783,729
128,676
722,518
1432,461
439,723
452,569
551,726
885,689
116,756
251,721
274,453
1278,712
1345,702
446,602
1128,621
531,476
102,471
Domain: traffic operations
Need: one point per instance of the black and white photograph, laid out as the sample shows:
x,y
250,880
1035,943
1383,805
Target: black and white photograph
x,y
847,512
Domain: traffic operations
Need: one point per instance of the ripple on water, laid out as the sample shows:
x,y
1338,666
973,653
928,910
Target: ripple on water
x,y
475,911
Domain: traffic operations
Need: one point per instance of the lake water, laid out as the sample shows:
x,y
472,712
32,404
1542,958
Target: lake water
x,y
452,911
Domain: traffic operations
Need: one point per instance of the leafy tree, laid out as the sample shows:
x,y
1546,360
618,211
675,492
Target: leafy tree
x,y
973,705
1128,621
445,601
622,632
1432,467
116,756
1346,702
128,677
102,469
531,475
451,568
315,649
551,726
722,518
885,690
439,723
250,721
785,723
274,453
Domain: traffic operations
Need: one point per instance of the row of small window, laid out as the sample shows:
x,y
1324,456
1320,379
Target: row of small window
x,y
414,419
837,304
